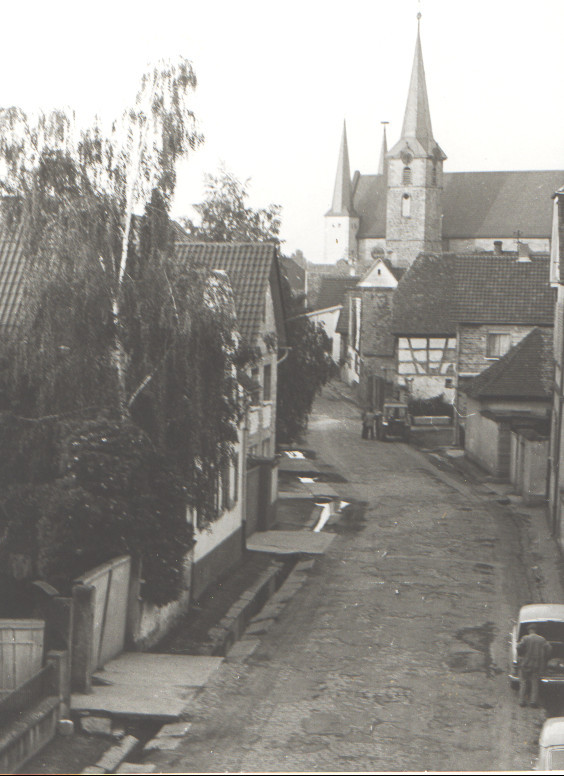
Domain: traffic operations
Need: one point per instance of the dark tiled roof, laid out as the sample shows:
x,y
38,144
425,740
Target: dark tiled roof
x,y
251,267
332,291
525,372
475,204
294,274
500,289
438,292
423,300
12,273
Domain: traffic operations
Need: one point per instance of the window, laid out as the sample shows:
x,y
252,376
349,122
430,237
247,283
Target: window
x,y
235,478
406,177
225,488
406,206
497,344
434,174
267,382
266,448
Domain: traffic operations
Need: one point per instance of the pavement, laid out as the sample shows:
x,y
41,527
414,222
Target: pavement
x,y
302,688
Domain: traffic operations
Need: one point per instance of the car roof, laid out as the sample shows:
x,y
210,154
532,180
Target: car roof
x,y
541,612
552,733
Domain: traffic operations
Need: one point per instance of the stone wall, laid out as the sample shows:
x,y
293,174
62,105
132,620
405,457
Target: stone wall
x,y
420,230
472,345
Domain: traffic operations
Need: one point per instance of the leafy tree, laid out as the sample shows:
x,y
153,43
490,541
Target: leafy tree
x,y
302,374
227,217
77,191
114,332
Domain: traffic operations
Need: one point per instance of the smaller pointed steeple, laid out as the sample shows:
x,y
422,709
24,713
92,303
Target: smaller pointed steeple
x,y
342,194
384,150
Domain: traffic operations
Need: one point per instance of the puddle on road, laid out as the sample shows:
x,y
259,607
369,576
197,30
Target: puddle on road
x,y
328,510
478,658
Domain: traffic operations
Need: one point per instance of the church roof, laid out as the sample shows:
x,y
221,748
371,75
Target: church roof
x,y
524,372
475,204
439,291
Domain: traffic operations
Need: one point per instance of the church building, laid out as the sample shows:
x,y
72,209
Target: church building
x,y
411,205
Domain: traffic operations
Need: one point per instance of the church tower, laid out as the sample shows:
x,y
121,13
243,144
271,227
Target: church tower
x,y
415,174
341,222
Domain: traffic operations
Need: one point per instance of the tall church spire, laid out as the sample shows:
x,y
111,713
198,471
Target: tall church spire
x,y
384,151
417,132
342,194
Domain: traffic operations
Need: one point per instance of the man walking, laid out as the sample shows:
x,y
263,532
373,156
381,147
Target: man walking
x,y
368,418
533,651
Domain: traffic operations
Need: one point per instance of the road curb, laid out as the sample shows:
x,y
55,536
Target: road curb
x,y
233,624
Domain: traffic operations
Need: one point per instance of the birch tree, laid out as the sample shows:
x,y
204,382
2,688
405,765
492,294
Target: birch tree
x,y
77,192
115,341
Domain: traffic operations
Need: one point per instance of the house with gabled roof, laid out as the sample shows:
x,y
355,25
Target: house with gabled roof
x,y
507,407
456,314
254,275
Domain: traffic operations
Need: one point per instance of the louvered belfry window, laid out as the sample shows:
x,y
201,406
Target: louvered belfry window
x,y
407,176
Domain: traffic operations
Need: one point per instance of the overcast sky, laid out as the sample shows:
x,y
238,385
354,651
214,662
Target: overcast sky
x,y
276,80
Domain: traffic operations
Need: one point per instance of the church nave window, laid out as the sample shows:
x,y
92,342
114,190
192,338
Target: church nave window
x,y
406,206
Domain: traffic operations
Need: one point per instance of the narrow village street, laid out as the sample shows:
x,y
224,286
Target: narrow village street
x,y
393,655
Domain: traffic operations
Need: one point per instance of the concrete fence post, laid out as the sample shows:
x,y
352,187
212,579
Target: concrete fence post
x,y
82,657
134,605
60,659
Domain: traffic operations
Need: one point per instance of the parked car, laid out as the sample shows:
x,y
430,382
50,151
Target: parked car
x,y
551,745
549,621
395,421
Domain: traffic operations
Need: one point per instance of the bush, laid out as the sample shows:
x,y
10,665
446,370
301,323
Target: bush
x,y
433,406
115,494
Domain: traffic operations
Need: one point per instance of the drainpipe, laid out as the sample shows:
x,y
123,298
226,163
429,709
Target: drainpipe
x,y
556,467
285,356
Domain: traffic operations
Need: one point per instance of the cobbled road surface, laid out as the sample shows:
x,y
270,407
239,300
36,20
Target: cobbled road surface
x,y
393,654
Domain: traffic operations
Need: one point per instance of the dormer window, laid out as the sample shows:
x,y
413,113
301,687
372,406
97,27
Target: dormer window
x,y
406,206
407,177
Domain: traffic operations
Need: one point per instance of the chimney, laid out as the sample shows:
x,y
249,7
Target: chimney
x,y
523,252
498,245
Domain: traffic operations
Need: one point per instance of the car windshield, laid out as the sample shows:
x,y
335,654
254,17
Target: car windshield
x,y
556,758
552,630
397,413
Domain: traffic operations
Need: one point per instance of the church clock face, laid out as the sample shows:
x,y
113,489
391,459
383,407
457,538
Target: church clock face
x,y
406,157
